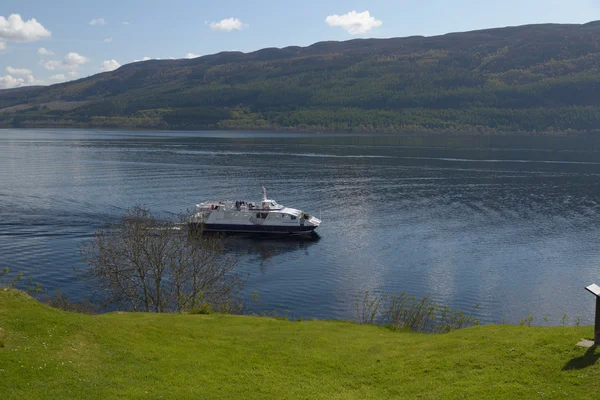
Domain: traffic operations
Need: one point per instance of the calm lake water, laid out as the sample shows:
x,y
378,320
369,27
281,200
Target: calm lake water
x,y
469,220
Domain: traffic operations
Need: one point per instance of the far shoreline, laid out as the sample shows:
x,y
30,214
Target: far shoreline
x,y
566,141
480,131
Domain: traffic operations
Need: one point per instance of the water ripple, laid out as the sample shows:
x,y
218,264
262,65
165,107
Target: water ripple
x,y
515,235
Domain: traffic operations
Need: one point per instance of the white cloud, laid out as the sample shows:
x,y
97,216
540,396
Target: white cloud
x,y
2,46
18,71
97,21
15,29
143,59
192,55
58,77
353,22
75,59
73,73
45,52
71,61
228,24
108,40
9,82
125,22
109,65
51,65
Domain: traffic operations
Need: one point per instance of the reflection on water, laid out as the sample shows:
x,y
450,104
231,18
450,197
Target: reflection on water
x,y
266,247
510,223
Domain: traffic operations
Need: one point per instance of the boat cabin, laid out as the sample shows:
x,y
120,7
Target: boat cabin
x,y
270,205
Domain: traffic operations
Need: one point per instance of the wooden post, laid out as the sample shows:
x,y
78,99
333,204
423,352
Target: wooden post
x,y
595,290
597,323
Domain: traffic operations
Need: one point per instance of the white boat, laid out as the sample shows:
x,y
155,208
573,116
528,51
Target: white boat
x,y
247,217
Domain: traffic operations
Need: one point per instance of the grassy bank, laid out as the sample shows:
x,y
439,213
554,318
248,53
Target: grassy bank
x,y
47,353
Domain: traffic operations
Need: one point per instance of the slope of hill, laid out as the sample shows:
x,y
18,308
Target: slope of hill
x,y
529,78
51,354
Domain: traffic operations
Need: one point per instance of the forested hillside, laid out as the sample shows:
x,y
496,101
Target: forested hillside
x,y
536,78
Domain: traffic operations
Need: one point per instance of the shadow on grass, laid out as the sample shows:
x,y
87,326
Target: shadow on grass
x,y
588,359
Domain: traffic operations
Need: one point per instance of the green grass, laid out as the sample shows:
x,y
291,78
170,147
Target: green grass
x,y
47,353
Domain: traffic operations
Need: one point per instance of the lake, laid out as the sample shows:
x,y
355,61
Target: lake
x,y
509,223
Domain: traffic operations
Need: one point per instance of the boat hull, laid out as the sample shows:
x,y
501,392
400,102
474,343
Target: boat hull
x,y
261,229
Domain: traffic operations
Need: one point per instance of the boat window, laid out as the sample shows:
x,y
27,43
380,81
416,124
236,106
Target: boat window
x,y
293,217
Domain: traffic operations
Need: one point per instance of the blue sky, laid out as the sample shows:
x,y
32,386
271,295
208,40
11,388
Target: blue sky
x,y
85,38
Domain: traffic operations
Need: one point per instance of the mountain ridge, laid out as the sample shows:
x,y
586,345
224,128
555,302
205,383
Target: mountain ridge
x,y
539,77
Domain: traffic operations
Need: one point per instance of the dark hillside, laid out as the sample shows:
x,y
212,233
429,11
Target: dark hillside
x,y
528,78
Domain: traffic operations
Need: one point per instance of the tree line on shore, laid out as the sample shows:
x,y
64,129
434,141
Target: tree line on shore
x,y
538,78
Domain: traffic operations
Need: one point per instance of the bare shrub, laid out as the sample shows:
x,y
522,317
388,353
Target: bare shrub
x,y
62,301
409,312
18,281
368,309
404,311
526,321
5,282
147,264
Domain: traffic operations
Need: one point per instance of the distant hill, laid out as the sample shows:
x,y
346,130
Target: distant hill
x,y
534,78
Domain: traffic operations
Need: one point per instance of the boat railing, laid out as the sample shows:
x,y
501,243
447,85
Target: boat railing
x,y
209,206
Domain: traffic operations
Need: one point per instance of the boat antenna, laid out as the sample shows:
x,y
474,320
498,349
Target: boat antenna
x,y
264,193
